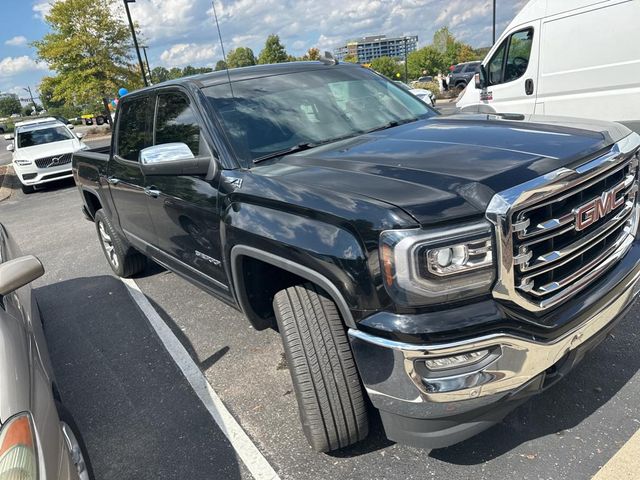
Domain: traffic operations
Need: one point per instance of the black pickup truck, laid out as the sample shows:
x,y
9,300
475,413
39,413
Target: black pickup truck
x,y
447,268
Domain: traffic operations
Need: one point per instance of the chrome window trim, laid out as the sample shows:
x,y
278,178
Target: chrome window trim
x,y
532,193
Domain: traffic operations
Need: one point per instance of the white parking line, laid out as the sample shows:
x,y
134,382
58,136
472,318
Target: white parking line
x,y
245,448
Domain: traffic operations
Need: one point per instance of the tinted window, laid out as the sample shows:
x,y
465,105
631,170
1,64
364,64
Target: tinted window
x,y
42,136
275,113
472,68
133,128
177,123
458,68
518,56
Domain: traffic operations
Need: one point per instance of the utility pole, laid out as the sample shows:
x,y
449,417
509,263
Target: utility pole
x,y
494,22
406,74
33,102
146,59
135,41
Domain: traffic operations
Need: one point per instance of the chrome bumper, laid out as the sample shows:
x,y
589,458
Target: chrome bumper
x,y
394,384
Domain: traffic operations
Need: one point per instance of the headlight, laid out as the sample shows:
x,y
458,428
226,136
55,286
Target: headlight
x,y
17,449
422,267
22,162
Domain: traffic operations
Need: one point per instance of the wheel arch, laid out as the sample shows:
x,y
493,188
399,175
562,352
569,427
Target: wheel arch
x,y
240,252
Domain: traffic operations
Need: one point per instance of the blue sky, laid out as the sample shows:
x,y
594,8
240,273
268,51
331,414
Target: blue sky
x,y
181,32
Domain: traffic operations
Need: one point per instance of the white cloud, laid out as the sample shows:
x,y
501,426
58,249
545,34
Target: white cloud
x,y
11,66
16,41
41,8
183,54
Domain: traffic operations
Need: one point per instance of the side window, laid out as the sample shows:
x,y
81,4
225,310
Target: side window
x,y
519,53
458,68
517,58
133,128
495,65
176,122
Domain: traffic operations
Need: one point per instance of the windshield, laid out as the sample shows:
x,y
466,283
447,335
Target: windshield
x,y
277,113
43,135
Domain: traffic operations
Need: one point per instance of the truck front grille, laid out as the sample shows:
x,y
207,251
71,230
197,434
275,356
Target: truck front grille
x,y
559,233
54,160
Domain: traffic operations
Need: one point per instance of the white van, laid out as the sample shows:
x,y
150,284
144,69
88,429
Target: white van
x,y
578,58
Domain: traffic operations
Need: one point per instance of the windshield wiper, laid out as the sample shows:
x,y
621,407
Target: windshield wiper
x,y
391,124
301,147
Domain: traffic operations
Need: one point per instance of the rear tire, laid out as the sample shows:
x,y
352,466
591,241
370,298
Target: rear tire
x,y
327,385
123,260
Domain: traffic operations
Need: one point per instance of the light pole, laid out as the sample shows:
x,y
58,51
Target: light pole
x,y
494,22
146,59
406,74
135,40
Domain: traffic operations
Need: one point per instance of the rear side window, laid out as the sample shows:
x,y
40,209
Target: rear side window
x,y
176,123
133,128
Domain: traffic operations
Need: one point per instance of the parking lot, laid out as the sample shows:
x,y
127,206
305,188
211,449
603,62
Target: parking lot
x,y
141,418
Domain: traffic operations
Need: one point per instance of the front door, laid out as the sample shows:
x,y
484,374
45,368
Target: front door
x,y
184,208
512,74
126,181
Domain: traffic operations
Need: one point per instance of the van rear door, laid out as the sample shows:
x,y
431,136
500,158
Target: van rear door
x,y
512,72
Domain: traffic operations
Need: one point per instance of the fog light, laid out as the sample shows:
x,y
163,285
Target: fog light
x,y
446,363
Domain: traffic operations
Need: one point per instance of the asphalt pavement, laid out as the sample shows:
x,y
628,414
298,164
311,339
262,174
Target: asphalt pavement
x,y
142,420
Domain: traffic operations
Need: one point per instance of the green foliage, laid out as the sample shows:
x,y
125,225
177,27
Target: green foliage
x,y
350,59
453,51
9,104
426,61
312,54
189,70
387,66
159,74
273,51
28,109
220,65
90,50
241,57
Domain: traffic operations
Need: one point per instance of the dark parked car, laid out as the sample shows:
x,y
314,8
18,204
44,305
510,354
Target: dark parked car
x,y
462,74
37,439
446,267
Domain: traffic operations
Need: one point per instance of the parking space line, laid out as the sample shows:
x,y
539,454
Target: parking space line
x,y
625,464
255,462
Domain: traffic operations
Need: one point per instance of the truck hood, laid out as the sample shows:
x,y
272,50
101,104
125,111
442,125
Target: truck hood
x,y
445,168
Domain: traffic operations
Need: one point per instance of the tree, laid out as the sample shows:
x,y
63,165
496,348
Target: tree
x,y
273,51
220,65
159,74
29,108
174,73
312,54
387,66
241,57
9,104
89,48
427,60
453,51
350,59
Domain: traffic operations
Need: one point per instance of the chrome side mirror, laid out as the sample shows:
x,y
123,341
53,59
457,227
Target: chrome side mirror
x,y
19,272
172,159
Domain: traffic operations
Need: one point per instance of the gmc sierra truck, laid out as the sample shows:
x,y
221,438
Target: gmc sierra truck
x,y
447,268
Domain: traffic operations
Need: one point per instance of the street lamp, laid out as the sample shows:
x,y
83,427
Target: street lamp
x,y
146,59
494,22
135,41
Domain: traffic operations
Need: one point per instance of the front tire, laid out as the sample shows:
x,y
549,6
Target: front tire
x,y
27,189
124,261
327,385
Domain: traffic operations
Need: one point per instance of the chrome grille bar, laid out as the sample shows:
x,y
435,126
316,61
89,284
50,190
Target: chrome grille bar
x,y
558,233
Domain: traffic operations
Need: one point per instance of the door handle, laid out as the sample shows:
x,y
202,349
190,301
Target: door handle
x,y
151,192
528,86
113,180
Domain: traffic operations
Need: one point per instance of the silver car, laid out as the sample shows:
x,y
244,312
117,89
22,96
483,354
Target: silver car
x,y
36,439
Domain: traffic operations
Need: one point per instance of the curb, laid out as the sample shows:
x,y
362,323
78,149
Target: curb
x,y
5,188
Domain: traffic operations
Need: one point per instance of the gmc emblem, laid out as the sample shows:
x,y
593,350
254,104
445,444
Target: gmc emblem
x,y
591,212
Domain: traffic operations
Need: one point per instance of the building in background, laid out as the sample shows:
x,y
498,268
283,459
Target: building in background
x,y
366,49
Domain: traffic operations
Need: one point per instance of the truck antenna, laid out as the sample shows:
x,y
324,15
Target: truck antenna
x,y
224,56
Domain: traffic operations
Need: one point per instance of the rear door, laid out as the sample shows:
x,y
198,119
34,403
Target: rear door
x,y
126,181
512,73
184,208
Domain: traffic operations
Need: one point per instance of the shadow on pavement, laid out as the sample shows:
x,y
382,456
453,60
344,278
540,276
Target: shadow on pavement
x,y
565,405
138,415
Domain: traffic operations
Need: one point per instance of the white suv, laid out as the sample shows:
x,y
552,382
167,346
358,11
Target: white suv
x,y
42,151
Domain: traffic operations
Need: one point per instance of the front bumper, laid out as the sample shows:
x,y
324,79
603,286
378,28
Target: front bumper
x,y
432,410
30,175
